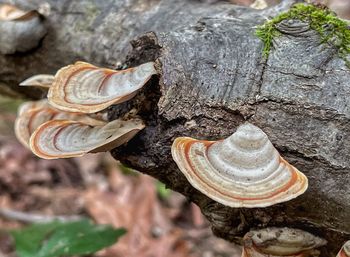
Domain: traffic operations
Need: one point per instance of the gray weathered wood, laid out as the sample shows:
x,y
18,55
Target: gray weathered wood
x,y
213,78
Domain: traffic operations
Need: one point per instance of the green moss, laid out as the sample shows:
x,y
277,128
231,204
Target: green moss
x,y
332,29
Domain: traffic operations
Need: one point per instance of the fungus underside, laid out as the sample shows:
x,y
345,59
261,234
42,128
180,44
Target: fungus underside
x,y
332,30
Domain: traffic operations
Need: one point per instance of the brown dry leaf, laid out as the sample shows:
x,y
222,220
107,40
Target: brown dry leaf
x,y
155,228
133,204
197,217
30,184
5,202
57,201
19,168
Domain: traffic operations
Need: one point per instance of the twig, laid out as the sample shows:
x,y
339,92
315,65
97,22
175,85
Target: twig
x,y
35,218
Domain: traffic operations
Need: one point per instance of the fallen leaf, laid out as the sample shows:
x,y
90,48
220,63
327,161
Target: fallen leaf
x,y
133,204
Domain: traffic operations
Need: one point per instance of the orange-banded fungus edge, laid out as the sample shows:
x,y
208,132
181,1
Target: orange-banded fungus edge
x,y
244,170
30,105
276,242
65,139
32,114
20,30
345,250
83,87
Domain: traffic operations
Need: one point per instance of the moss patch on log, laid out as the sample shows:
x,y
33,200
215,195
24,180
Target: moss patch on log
x,y
332,30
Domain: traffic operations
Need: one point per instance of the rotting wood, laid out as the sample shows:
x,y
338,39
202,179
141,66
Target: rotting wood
x,y
213,78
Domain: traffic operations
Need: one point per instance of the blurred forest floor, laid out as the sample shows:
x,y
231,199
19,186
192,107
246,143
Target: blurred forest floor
x,y
159,222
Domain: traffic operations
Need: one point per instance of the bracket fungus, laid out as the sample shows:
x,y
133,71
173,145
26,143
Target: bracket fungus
x,y
244,170
32,114
76,91
30,105
20,30
345,250
41,80
66,139
83,87
276,242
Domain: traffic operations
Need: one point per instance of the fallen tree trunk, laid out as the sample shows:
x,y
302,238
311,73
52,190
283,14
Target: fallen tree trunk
x,y
213,78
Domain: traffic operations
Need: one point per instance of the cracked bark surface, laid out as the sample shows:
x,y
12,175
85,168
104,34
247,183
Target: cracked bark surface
x,y
213,78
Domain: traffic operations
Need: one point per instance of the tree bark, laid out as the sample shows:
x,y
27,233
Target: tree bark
x,y
213,78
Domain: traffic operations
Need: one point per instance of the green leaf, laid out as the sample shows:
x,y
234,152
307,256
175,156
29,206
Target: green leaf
x,y
9,105
28,240
64,238
162,191
127,171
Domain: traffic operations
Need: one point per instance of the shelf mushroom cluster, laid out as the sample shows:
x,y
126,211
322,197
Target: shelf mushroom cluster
x,y
277,242
243,170
20,30
62,126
